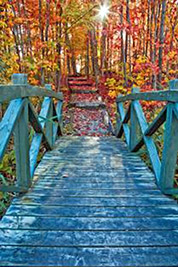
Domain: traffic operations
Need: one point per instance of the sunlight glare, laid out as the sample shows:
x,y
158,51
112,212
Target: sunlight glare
x,y
103,11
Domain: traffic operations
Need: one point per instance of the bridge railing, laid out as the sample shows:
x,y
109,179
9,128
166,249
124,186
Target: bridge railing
x,y
47,126
133,124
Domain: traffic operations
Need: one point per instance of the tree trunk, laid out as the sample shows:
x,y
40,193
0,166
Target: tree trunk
x,y
103,49
154,76
87,61
58,48
94,56
148,29
29,43
151,32
42,40
73,63
161,40
123,56
68,49
128,20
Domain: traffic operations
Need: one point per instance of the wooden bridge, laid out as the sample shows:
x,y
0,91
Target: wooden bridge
x,y
91,201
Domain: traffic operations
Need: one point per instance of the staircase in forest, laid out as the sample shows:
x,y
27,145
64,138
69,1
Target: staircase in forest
x,y
92,201
88,112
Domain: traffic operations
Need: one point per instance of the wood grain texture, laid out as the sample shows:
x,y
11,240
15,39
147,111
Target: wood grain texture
x,y
8,123
122,124
170,150
38,137
10,92
167,95
106,211
21,140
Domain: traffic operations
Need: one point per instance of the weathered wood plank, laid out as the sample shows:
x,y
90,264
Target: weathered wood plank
x,y
170,149
57,121
120,110
171,96
14,188
34,151
21,140
89,256
89,211
33,118
49,122
82,223
95,181
37,139
125,184
59,115
51,238
151,148
10,92
134,124
55,131
49,125
91,201
8,123
107,193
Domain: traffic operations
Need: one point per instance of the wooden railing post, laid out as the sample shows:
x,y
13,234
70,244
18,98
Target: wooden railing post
x,y
60,120
119,131
21,140
49,123
19,114
19,79
134,126
170,150
122,126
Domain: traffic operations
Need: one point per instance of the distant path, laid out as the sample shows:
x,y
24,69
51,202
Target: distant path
x,y
87,112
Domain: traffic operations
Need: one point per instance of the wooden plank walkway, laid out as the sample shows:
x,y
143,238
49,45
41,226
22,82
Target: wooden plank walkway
x,y
93,204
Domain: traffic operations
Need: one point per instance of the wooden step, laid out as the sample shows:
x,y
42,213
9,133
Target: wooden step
x,y
78,91
77,78
80,83
90,256
88,105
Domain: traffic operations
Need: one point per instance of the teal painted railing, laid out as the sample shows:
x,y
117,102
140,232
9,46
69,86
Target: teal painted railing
x,y
133,124
19,114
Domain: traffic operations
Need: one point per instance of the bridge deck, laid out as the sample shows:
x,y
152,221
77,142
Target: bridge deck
x,y
94,204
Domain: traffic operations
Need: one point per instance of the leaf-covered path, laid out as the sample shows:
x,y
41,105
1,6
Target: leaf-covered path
x,y
86,111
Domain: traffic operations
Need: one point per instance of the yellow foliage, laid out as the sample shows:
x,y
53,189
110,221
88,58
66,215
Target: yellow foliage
x,y
112,93
115,88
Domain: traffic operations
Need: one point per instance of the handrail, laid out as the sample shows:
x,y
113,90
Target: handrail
x,y
10,92
162,95
171,96
19,114
139,132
